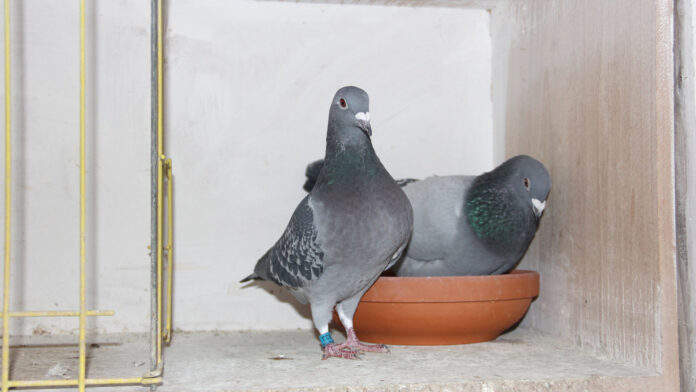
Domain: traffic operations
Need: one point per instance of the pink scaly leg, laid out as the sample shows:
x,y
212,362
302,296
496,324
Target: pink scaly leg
x,y
331,349
339,351
355,345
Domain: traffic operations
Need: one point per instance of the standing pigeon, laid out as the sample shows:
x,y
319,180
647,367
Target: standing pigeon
x,y
467,225
354,224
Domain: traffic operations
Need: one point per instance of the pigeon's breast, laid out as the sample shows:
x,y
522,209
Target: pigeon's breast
x,y
367,224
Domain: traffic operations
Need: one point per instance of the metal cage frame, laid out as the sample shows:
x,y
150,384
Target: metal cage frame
x,y
161,170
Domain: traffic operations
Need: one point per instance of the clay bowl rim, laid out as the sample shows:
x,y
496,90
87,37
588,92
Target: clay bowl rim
x,y
517,284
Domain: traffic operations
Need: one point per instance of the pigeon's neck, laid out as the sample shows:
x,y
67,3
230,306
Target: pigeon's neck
x,y
349,158
496,216
339,138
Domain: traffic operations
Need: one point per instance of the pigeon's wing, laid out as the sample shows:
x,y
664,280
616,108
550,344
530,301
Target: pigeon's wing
x,y
438,204
313,169
312,173
438,214
296,258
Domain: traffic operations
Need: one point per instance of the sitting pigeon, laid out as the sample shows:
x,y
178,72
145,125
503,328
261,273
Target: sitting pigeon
x,y
466,225
354,224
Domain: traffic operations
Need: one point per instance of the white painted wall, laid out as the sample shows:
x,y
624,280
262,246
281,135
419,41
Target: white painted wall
x,y
45,109
248,86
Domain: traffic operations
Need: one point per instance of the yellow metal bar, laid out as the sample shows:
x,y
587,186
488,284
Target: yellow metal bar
x,y
157,372
170,251
160,153
88,381
8,194
81,381
83,312
60,313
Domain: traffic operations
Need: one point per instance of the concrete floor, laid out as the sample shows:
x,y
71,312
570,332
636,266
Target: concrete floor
x,y
522,360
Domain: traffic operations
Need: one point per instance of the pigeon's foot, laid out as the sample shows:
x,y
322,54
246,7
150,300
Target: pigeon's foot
x,y
372,348
339,351
354,344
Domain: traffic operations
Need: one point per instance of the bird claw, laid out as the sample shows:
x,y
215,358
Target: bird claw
x,y
383,348
339,351
359,346
343,355
372,348
350,350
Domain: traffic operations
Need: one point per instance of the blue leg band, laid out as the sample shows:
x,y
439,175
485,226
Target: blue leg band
x,y
325,339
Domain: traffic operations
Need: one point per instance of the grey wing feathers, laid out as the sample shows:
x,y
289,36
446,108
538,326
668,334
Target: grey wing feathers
x,y
312,173
313,169
297,257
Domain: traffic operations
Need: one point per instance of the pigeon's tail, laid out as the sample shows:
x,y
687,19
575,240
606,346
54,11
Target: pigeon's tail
x,y
251,277
312,173
314,168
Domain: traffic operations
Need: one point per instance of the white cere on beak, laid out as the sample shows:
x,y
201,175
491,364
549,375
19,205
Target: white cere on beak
x,y
363,116
538,206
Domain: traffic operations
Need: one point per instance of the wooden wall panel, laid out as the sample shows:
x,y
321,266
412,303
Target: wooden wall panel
x,y
685,184
587,89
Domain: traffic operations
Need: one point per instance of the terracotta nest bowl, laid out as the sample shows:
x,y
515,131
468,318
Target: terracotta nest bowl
x,y
443,310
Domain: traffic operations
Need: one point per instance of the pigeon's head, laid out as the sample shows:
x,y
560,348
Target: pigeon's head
x,y
531,182
350,110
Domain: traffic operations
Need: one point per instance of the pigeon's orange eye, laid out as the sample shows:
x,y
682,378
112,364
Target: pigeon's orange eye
x,y
526,183
343,103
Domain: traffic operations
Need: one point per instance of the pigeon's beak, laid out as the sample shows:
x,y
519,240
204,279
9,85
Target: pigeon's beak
x,y
538,207
364,122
